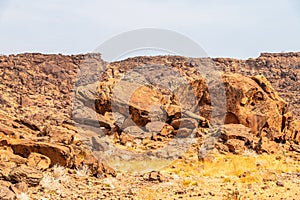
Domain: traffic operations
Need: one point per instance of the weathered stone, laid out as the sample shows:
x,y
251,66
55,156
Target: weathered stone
x,y
59,134
166,130
26,174
5,169
221,147
280,184
173,110
295,147
39,161
160,128
20,187
6,193
269,176
29,124
139,103
281,69
125,139
251,101
104,170
5,183
58,154
6,130
236,146
155,126
98,169
134,131
9,156
183,133
154,176
127,123
261,96
236,131
292,131
265,145
184,123
47,98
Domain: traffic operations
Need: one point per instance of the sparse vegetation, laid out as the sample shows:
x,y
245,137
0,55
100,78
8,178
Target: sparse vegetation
x,y
83,171
55,181
59,172
23,196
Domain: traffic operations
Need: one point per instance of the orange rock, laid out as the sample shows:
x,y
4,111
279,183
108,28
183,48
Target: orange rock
x,y
6,193
99,169
236,146
58,154
292,131
23,173
6,130
265,145
9,156
38,161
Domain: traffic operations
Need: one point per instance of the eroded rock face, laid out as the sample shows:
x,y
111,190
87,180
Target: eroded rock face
x,y
250,101
281,69
254,103
139,104
26,174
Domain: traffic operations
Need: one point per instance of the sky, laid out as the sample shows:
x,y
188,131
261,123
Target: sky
x,y
223,28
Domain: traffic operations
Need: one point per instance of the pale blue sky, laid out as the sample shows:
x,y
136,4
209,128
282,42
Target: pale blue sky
x,y
224,28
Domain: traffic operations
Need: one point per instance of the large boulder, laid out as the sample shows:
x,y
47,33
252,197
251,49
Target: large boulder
x,y
254,103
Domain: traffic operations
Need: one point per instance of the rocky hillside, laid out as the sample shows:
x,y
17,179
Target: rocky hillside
x,y
281,69
48,104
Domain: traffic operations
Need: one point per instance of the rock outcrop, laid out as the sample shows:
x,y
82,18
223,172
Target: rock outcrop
x,y
136,93
140,103
281,69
